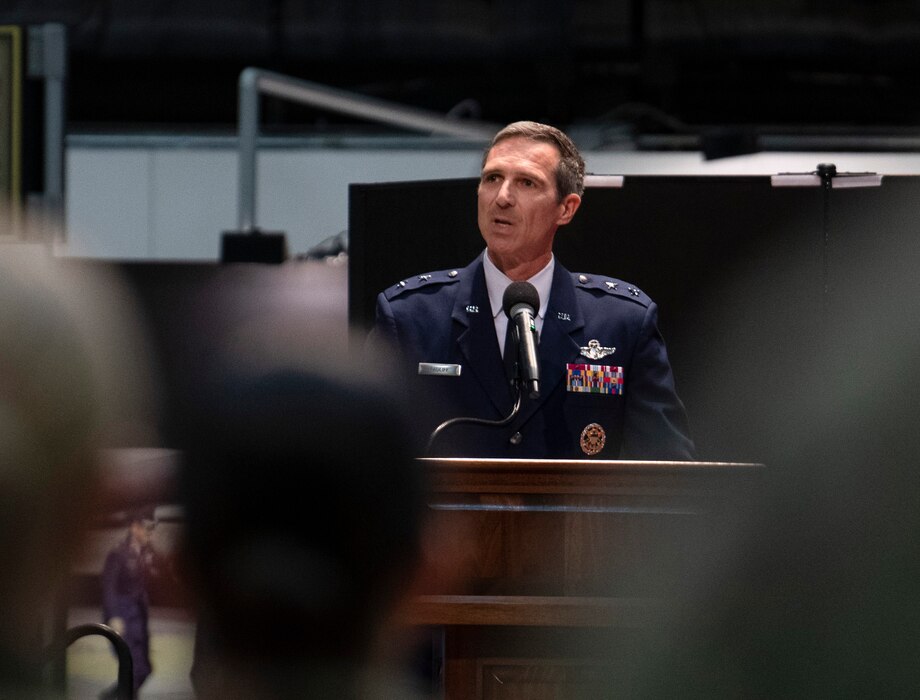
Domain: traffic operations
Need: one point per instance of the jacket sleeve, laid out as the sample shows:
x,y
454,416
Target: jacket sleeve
x,y
382,342
384,330
655,425
109,583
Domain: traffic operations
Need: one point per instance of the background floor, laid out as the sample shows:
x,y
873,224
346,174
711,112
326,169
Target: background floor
x,y
91,665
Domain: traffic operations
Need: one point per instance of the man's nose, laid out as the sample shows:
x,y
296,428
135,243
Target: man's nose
x,y
505,197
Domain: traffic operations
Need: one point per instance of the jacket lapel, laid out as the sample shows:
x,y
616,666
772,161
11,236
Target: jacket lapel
x,y
477,341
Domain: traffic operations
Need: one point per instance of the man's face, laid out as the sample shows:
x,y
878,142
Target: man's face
x,y
519,207
142,530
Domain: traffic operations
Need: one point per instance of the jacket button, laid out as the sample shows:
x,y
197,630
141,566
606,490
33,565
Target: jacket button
x,y
516,439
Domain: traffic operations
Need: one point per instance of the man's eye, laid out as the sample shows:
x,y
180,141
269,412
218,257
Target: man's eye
x,y
527,183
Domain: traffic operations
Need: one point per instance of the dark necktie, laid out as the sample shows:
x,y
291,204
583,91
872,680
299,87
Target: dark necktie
x,y
510,354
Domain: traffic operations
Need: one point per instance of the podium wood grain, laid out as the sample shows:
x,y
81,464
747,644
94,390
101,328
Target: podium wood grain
x,y
556,564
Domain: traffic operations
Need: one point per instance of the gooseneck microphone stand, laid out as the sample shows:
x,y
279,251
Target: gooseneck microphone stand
x,y
516,393
520,302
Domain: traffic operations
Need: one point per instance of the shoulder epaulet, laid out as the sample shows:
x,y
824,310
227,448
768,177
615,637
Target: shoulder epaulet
x,y
415,282
611,286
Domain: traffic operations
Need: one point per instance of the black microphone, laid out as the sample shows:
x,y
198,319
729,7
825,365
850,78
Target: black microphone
x,y
520,303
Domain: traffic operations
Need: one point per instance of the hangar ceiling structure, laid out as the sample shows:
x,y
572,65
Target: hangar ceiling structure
x,y
642,73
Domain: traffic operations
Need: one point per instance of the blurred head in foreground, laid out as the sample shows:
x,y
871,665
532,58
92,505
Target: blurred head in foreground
x,y
303,522
812,589
61,335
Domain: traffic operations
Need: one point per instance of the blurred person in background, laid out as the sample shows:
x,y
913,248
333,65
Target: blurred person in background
x,y
65,389
130,568
304,527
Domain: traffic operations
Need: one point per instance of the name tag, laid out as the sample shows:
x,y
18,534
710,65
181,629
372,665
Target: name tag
x,y
594,379
439,369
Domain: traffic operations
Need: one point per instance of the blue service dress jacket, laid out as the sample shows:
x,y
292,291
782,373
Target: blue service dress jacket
x,y
125,578
622,405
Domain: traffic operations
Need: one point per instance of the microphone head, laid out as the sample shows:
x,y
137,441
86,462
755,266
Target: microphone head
x,y
520,293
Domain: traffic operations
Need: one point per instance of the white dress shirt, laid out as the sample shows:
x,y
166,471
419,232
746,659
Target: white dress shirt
x,y
497,281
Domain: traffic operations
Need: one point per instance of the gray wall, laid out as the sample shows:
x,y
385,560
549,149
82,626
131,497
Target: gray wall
x,y
169,198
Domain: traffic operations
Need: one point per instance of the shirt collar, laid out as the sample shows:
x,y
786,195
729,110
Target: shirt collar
x,y
497,281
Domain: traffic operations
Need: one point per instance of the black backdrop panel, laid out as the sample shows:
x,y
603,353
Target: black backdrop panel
x,y
672,236
404,228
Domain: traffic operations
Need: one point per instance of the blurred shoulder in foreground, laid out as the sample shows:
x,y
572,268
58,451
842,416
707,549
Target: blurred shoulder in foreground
x,y
72,378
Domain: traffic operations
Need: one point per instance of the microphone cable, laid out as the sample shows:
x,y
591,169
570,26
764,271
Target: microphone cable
x,y
478,421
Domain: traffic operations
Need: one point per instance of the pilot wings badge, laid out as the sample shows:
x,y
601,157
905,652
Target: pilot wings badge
x,y
594,351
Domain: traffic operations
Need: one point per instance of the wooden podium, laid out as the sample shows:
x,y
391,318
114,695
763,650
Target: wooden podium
x,y
564,566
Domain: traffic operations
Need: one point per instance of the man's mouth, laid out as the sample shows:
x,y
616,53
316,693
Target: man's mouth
x,y
504,222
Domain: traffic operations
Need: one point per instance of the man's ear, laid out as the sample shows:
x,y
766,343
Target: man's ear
x,y
569,204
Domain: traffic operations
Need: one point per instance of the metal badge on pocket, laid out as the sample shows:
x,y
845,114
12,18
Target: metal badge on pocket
x,y
595,351
593,438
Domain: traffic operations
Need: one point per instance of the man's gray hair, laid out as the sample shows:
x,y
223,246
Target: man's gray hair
x,y
570,174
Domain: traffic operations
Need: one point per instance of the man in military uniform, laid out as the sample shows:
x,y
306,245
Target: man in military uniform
x,y
606,386
129,568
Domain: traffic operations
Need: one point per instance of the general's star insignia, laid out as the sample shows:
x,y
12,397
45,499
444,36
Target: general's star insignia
x,y
594,351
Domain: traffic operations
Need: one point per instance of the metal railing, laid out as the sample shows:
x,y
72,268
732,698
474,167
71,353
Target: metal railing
x,y
125,680
254,82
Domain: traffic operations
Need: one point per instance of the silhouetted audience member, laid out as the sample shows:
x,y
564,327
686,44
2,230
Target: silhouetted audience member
x,y
304,514
57,336
812,592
